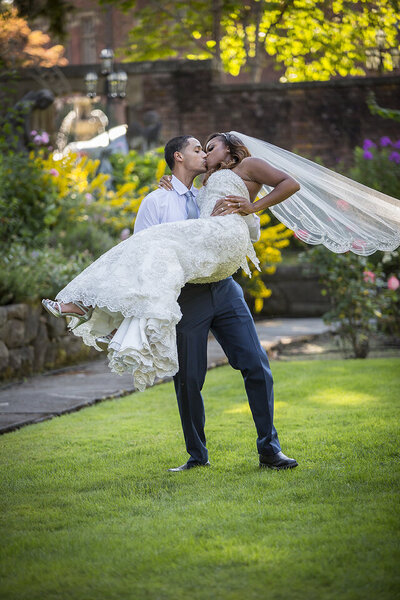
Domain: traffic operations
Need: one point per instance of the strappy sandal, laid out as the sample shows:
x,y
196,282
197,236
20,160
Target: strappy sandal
x,y
54,308
104,341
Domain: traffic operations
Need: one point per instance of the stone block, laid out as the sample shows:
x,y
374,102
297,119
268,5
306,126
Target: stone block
x,y
3,315
17,311
40,346
31,324
21,360
56,327
4,357
12,333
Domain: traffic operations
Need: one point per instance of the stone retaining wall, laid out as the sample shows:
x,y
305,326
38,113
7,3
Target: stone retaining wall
x,y
31,341
296,292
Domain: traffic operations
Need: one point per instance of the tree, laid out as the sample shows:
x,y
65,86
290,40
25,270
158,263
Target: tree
x,y
22,47
55,12
310,39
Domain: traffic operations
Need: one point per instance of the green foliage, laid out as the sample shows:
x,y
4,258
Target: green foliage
x,y
359,296
89,511
27,274
26,198
385,113
377,165
310,39
57,216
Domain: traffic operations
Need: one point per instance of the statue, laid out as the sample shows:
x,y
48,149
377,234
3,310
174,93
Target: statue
x,y
146,136
21,119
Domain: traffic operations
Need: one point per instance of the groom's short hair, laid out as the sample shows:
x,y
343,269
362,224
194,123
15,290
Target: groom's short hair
x,y
175,144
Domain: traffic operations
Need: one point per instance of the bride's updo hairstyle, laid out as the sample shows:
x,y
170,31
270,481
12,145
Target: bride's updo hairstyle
x,y
237,151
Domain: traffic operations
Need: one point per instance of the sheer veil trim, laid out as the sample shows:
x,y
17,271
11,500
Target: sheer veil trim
x,y
331,209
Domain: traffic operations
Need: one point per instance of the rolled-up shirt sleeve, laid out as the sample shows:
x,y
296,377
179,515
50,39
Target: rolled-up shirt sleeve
x,y
147,215
253,223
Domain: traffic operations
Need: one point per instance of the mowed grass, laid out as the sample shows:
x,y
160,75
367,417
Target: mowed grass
x,y
89,511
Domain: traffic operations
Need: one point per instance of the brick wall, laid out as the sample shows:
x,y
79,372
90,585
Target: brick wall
x,y
324,119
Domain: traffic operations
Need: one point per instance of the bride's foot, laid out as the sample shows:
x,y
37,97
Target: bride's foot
x,y
69,309
104,341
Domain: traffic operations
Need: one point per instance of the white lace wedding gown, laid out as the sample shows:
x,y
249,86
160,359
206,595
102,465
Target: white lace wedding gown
x,y
135,286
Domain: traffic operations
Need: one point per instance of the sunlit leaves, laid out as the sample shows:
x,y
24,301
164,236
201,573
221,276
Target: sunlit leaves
x,y
308,39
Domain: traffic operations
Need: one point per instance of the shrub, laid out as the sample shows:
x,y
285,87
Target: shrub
x,y
359,293
26,274
377,165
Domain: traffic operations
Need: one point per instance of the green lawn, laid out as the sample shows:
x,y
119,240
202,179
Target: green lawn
x,y
88,510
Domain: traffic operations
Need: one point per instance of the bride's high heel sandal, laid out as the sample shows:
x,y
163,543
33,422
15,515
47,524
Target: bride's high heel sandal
x,y
54,308
104,341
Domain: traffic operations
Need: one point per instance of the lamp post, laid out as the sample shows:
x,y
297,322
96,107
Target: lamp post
x,y
375,57
114,81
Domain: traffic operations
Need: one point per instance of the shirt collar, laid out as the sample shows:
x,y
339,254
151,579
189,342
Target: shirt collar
x,y
181,188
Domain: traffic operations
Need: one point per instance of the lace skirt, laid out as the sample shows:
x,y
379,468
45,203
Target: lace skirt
x,y
135,286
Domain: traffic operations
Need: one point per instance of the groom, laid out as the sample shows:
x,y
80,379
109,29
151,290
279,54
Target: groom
x,y
219,307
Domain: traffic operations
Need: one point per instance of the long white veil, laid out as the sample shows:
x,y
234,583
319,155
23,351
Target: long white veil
x,y
331,209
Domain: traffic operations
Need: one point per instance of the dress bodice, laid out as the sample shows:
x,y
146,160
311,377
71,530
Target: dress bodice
x,y
221,183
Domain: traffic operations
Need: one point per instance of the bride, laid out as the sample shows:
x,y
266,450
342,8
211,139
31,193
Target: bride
x,y
134,287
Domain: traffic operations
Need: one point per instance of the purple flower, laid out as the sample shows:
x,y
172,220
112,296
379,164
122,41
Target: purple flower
x,y
37,139
368,144
54,172
396,144
33,132
395,157
89,198
385,141
368,155
45,137
34,253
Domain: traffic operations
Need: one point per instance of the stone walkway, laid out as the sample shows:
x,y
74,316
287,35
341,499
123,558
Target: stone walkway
x,y
65,390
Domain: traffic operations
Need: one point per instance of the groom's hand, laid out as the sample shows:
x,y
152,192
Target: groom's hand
x,y
231,205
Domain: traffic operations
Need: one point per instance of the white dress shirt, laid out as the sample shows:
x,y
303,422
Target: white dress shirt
x,y
164,206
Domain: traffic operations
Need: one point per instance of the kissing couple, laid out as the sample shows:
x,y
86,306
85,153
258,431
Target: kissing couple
x,y
153,298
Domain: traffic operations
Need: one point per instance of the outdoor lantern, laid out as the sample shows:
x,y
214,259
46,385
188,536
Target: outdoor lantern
x,y
107,58
122,82
112,80
91,84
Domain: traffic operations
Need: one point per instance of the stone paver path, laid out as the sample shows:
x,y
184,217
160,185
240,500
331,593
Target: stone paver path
x,y
58,392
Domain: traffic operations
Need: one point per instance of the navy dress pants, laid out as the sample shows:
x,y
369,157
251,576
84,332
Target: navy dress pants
x,y
221,308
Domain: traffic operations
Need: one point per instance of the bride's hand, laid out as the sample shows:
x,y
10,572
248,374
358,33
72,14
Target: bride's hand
x,y
231,205
165,183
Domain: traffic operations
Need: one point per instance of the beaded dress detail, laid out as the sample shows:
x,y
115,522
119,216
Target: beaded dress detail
x,y
134,287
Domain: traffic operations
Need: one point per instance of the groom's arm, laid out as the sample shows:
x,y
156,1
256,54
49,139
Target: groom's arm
x,y
148,213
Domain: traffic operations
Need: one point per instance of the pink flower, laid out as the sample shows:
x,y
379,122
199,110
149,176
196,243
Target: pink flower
x,y
33,132
368,155
89,198
368,144
37,139
358,244
369,277
393,283
395,157
301,234
54,172
45,137
342,205
385,141
125,233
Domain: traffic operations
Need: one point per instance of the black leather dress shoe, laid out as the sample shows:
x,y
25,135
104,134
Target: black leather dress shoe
x,y
277,461
189,465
